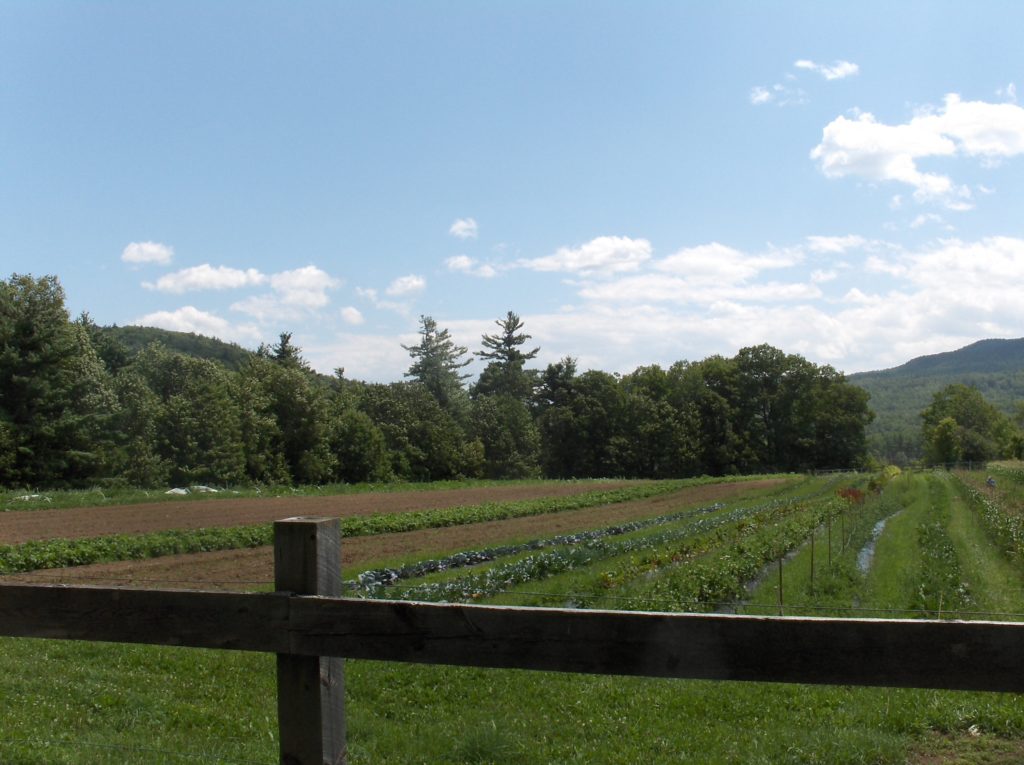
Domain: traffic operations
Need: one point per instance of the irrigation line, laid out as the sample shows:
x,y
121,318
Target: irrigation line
x,y
72,745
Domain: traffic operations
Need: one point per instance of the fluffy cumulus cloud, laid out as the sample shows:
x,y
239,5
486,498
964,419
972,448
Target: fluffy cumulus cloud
x,y
467,265
406,285
206,277
884,304
874,305
352,315
716,263
147,252
603,255
370,357
862,146
191,319
304,287
464,228
760,95
840,70
293,294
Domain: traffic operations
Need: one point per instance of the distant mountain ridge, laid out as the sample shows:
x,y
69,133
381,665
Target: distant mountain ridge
x,y
135,338
995,367
984,356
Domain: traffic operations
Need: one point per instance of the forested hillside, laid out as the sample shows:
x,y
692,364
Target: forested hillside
x,y
898,395
82,405
130,340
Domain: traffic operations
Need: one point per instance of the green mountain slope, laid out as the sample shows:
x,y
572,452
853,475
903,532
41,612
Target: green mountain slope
x,y
994,367
134,339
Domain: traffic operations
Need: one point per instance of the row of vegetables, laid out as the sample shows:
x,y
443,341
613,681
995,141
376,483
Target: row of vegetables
x,y
638,565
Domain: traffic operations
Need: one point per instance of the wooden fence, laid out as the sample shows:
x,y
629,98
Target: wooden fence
x,y
310,628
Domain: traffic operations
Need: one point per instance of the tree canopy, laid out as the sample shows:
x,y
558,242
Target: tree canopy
x,y
77,407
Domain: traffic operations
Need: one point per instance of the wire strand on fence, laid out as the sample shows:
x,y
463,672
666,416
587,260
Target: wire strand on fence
x,y
736,606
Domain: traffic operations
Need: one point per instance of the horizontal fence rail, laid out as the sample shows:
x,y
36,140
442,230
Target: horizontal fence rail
x,y
985,656
311,632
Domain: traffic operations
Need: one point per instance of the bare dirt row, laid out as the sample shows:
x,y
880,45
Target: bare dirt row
x,y
78,523
248,569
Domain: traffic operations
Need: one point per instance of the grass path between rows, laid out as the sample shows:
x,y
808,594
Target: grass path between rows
x,y
930,532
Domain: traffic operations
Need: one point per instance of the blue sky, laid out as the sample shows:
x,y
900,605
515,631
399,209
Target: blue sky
x,y
642,182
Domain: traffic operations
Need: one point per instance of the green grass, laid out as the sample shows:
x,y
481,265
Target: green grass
x,y
169,705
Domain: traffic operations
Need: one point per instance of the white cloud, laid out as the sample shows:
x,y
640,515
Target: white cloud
x,y
834,244
370,294
720,264
304,287
603,255
268,309
925,218
406,285
867,148
877,265
779,94
206,277
838,71
352,315
467,265
295,294
147,252
656,288
374,358
191,319
464,228
884,306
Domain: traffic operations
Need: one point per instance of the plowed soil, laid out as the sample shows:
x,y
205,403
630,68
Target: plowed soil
x,y
77,523
248,569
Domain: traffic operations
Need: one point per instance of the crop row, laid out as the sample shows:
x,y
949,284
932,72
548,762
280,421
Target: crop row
x,y
1006,529
382,577
58,553
543,565
722,575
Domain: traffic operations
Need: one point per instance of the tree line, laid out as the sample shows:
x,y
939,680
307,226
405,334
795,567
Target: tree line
x,y
78,407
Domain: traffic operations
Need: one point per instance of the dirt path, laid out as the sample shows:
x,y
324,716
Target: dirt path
x,y
76,523
247,569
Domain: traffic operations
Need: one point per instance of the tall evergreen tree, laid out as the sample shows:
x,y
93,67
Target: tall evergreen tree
x,y
505,373
55,396
436,363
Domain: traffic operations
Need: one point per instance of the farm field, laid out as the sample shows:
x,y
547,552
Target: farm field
x,y
73,523
942,552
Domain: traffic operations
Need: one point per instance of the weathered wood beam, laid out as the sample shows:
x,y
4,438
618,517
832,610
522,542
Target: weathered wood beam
x,y
985,656
310,689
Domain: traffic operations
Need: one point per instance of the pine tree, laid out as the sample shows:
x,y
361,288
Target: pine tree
x,y
505,374
436,362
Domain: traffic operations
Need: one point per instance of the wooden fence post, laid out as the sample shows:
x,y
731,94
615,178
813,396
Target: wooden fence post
x,y
310,689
